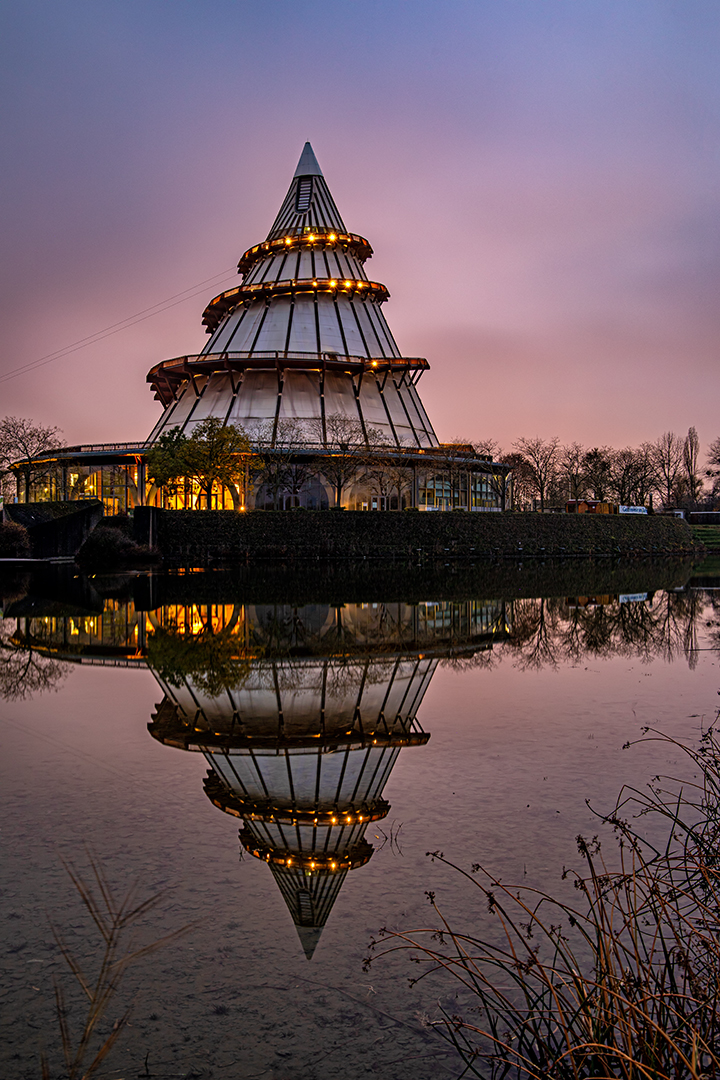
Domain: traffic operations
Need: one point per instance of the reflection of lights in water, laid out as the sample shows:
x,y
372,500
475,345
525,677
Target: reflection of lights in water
x,y
300,747
301,752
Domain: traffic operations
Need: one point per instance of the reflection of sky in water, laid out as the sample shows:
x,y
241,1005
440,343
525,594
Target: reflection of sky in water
x,y
513,754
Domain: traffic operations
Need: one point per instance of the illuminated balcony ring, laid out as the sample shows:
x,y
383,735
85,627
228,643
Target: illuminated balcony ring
x,y
167,377
265,810
310,239
183,738
311,862
223,304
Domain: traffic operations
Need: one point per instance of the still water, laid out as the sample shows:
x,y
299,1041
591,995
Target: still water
x,y
281,769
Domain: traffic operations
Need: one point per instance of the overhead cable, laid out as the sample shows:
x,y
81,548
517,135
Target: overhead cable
x,y
123,324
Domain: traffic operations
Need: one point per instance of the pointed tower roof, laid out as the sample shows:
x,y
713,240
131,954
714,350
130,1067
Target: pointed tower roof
x,y
308,163
308,204
309,938
309,898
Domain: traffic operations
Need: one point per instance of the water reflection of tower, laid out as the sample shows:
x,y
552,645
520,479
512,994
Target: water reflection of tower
x,y
302,749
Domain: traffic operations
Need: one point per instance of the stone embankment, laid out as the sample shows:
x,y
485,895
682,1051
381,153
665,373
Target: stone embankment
x,y
199,538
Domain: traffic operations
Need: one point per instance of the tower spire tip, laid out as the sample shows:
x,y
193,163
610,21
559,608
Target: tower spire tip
x,y
308,163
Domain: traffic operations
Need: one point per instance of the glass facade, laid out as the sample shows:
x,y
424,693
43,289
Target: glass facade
x,y
466,490
395,485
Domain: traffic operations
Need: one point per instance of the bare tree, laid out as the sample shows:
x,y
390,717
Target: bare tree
x,y
450,465
401,479
668,459
645,474
281,469
376,476
489,448
713,470
499,481
625,469
541,456
597,464
347,449
21,441
520,480
23,670
572,470
691,455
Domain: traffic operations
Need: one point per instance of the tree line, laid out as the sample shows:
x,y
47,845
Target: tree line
x,y
668,472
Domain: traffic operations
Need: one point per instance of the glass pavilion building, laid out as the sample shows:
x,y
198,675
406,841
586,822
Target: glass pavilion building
x,y
301,357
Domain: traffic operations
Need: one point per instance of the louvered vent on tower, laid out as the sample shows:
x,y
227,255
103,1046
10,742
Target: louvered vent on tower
x,y
304,194
305,908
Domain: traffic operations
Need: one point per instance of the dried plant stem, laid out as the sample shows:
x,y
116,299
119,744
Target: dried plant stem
x,y
625,982
113,920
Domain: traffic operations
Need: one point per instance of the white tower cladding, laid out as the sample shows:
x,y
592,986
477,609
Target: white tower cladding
x,y
301,742
302,339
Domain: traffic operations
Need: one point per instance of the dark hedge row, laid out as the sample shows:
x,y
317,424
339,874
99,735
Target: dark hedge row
x,y
197,538
338,583
61,589
111,545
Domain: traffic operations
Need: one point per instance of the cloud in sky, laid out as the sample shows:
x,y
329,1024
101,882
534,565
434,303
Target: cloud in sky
x,y
539,182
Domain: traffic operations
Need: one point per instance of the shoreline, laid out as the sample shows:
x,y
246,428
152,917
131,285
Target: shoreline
x,y
211,537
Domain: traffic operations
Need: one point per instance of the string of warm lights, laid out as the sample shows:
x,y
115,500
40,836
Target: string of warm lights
x,y
252,810
226,301
313,239
311,861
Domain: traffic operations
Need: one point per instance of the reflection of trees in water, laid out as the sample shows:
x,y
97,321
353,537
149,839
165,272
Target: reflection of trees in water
x,y
212,660
330,630
549,632
340,675
484,658
534,628
23,670
712,622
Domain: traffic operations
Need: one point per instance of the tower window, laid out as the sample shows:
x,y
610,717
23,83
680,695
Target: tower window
x,y
304,194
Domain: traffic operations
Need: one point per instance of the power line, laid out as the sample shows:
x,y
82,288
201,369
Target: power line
x,y
116,328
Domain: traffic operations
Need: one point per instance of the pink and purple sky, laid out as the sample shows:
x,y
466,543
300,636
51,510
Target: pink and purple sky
x,y
540,180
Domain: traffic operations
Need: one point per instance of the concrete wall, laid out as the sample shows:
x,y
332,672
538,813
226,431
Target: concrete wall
x,y
55,529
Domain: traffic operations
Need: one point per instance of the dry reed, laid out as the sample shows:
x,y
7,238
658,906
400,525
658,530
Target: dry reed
x,y
85,1050
621,982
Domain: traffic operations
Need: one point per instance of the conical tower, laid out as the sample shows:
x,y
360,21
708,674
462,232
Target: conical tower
x,y
302,747
301,753
303,339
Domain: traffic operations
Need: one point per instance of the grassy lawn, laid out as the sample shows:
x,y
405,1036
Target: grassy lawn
x,y
709,535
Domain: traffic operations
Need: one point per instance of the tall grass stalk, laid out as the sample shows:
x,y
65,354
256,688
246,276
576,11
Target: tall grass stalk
x,y
621,980
85,1049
